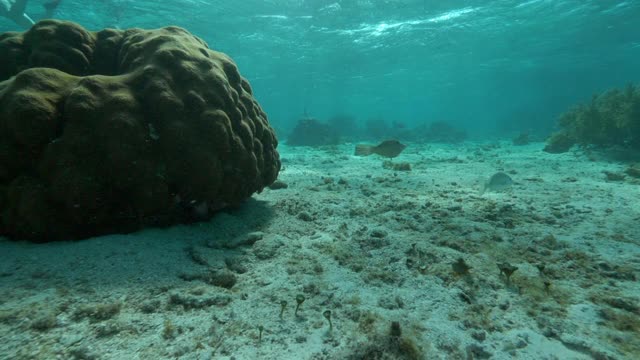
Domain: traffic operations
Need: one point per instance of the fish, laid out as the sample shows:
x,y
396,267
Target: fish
x,y
14,10
497,182
387,148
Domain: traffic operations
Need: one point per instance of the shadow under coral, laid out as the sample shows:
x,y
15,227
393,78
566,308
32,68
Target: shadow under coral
x,y
146,259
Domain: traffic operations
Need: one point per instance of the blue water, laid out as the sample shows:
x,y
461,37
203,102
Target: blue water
x,y
492,67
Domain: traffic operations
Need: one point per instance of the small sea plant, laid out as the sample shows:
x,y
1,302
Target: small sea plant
x,y
392,344
283,305
299,300
395,331
507,270
460,267
327,315
169,330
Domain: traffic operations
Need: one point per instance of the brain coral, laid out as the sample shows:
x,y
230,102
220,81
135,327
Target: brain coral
x,y
111,131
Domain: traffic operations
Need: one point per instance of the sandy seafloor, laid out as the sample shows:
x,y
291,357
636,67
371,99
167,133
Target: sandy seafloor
x,y
369,244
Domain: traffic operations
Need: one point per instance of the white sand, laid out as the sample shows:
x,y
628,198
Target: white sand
x,y
371,245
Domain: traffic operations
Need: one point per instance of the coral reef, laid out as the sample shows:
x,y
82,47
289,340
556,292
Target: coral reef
x,y
609,119
558,143
345,126
342,128
633,170
441,131
522,139
311,132
114,130
436,132
377,128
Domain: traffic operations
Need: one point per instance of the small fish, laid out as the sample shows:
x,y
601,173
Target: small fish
x,y
388,148
497,182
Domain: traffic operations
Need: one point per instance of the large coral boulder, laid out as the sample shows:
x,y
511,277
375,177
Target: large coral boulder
x,y
111,131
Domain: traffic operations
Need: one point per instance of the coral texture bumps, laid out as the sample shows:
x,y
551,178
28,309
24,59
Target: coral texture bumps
x,y
114,130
